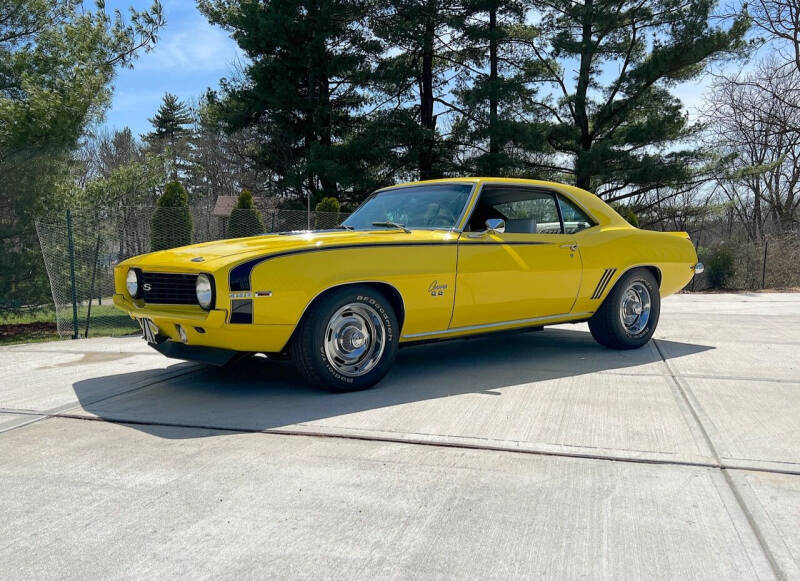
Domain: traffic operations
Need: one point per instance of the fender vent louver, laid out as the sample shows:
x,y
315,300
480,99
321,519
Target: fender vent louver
x,y
603,283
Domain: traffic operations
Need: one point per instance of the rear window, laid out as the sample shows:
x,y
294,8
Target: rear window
x,y
575,219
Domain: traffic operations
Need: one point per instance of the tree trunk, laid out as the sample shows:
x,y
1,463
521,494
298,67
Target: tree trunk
x,y
583,171
494,146
325,136
427,120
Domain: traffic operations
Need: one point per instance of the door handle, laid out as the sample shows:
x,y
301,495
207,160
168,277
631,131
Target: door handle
x,y
572,247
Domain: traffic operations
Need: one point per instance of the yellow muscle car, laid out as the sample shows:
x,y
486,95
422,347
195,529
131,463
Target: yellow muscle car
x,y
416,262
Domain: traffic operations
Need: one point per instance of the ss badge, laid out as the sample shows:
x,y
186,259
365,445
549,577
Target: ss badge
x,y
436,289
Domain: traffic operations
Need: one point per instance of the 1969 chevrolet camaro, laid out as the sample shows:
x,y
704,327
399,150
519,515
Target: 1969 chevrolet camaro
x,y
416,262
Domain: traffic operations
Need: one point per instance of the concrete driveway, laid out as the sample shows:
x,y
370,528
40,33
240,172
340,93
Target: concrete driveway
x,y
541,455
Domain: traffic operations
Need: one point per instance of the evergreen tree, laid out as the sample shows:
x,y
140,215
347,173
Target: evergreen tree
x,y
172,222
494,123
616,119
309,61
57,63
326,213
412,77
171,131
245,220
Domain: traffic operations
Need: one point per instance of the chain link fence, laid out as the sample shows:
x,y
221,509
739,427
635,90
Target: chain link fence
x,y
81,249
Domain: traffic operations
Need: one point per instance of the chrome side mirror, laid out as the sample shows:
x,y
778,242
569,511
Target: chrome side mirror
x,y
495,226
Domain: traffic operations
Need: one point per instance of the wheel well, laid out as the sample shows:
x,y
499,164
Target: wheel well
x,y
656,272
391,293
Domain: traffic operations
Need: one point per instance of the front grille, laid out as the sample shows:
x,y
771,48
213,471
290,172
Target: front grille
x,y
160,288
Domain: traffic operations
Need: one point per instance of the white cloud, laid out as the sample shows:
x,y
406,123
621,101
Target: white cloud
x,y
191,46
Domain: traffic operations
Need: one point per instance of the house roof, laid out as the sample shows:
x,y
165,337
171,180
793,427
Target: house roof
x,y
224,205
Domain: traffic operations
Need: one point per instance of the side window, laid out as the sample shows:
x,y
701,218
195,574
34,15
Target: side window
x,y
530,213
575,219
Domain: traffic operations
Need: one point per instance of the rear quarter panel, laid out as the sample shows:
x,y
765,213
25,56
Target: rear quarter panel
x,y
623,248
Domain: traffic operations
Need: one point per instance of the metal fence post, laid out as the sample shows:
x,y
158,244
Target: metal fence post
x,y
72,276
764,267
91,288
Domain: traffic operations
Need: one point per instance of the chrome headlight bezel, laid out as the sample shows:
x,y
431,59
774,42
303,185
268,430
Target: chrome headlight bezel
x,y
133,283
207,296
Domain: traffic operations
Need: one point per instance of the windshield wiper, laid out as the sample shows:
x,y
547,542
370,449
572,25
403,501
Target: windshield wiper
x,y
345,227
393,225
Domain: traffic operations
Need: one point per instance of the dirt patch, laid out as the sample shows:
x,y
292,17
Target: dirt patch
x,y
94,357
20,331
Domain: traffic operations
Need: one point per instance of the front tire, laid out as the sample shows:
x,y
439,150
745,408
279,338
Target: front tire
x,y
347,340
628,317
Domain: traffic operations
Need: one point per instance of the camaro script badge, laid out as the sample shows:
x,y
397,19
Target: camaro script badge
x,y
436,289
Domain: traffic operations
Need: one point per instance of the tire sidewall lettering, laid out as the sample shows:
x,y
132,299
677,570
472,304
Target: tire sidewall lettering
x,y
386,319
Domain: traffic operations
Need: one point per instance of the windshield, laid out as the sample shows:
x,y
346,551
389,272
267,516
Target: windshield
x,y
435,206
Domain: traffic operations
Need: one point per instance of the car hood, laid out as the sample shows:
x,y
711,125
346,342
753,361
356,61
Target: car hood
x,y
210,256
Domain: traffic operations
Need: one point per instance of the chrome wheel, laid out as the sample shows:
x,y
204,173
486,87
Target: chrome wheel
x,y
354,339
634,308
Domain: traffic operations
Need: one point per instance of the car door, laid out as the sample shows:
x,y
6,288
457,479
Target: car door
x,y
531,270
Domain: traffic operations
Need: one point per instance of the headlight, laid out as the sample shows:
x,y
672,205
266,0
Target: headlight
x,y
205,291
132,283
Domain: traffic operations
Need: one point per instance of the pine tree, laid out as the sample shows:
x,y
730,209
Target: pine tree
x,y
412,78
326,213
171,131
172,223
616,120
309,61
494,112
245,219
58,60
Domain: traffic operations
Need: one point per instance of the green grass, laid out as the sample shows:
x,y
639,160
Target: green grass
x,y
40,324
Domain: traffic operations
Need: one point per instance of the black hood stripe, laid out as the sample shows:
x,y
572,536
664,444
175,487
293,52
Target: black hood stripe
x,y
239,277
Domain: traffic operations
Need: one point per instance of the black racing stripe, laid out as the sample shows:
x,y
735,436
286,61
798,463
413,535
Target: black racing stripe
x,y
241,311
608,280
239,276
603,282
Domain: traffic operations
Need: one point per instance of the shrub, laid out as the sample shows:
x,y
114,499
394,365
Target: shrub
x,y
631,217
328,205
172,222
720,269
245,219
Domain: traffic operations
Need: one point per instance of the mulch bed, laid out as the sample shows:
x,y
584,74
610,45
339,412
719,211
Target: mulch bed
x,y
27,330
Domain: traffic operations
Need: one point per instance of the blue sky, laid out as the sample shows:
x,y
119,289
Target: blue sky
x,y
193,55
190,56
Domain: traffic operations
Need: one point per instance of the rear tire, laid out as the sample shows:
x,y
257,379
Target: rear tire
x,y
628,317
347,340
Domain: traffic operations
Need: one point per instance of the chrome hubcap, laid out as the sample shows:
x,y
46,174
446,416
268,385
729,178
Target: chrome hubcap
x,y
354,339
634,309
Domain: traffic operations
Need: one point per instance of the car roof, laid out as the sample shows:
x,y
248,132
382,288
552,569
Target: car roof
x,y
597,208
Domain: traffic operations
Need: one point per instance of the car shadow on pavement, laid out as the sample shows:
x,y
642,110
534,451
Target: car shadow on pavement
x,y
258,394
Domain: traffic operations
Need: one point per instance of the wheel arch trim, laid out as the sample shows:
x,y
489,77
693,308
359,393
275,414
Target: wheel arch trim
x,y
652,268
395,297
